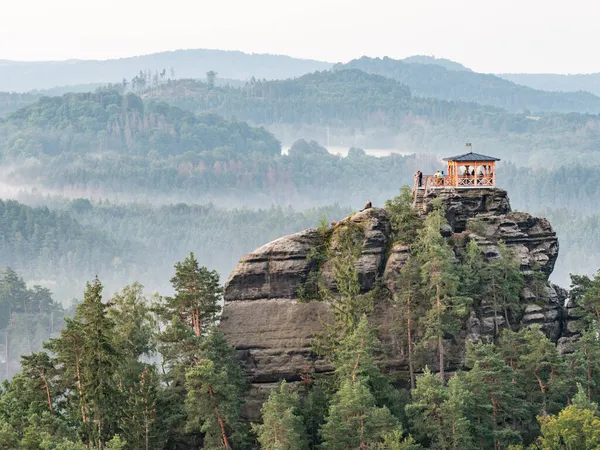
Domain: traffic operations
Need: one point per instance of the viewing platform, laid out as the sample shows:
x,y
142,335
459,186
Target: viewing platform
x,y
467,171
470,170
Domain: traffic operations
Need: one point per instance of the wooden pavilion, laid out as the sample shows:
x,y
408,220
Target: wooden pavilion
x,y
470,170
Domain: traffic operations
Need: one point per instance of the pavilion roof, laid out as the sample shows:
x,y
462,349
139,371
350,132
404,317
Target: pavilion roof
x,y
471,157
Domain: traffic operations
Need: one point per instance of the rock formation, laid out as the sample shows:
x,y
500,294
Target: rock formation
x,y
273,330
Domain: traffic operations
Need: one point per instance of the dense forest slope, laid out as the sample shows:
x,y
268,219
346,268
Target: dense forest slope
x,y
10,102
68,245
25,76
431,80
52,248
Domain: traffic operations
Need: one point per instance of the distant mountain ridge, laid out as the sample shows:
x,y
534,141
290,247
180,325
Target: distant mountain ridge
x,y
589,82
429,80
26,76
447,64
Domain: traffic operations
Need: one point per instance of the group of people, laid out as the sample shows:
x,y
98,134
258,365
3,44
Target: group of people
x,y
439,176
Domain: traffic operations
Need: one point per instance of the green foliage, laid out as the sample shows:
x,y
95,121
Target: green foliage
x,y
424,410
354,359
497,401
42,244
408,308
445,306
198,295
215,388
573,427
403,217
503,283
354,421
311,288
539,369
587,298
28,317
476,225
97,366
347,303
314,407
437,414
282,427
140,422
126,125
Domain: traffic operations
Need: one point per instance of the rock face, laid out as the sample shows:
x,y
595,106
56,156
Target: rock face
x,y
273,330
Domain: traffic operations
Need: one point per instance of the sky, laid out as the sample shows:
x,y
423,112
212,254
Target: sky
x,y
524,36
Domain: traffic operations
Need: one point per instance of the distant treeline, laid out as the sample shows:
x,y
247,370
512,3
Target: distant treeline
x,y
61,249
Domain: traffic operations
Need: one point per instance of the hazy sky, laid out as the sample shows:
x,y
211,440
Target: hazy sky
x,y
486,35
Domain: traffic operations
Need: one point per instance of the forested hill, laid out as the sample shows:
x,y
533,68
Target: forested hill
x,y
431,80
194,63
110,122
354,108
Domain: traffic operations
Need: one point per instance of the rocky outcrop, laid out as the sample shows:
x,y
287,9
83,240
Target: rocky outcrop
x,y
273,330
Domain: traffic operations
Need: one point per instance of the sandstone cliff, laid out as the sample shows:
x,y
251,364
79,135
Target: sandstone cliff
x,y
273,331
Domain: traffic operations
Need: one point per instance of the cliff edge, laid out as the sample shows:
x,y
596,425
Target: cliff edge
x,y
273,329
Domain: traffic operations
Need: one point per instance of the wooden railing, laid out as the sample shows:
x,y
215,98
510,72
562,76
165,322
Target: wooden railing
x,y
432,182
475,180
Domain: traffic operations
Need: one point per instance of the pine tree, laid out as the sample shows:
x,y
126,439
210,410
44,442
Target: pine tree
x,y
215,389
354,421
133,321
501,283
88,359
99,363
471,272
497,400
440,285
407,308
457,428
314,407
539,369
395,440
425,410
197,297
282,427
139,422
586,361
68,350
189,314
437,414
354,359
403,217
348,305
39,368
585,293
